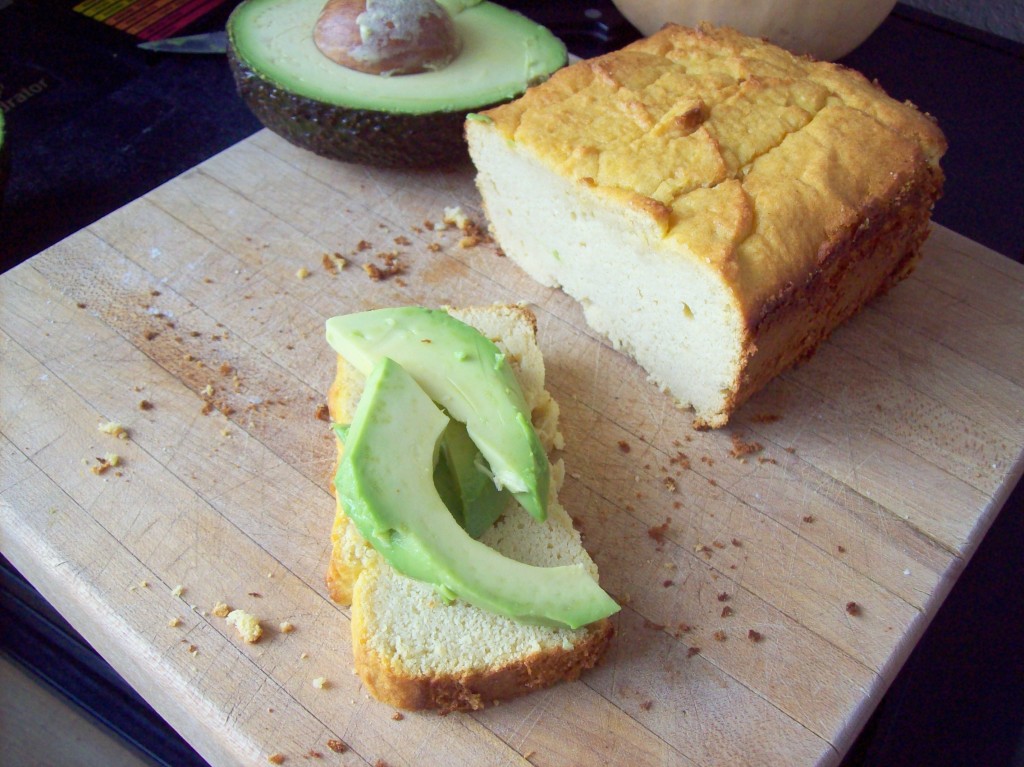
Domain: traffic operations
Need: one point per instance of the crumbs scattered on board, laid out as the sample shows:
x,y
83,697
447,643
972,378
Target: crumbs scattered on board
x,y
105,463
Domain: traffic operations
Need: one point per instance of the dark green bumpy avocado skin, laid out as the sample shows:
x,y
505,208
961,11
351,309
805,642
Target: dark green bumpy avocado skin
x,y
368,136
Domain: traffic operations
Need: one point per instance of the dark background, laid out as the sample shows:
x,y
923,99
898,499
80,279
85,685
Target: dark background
x,y
94,122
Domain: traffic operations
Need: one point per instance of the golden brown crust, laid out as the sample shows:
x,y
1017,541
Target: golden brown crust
x,y
881,248
340,578
477,689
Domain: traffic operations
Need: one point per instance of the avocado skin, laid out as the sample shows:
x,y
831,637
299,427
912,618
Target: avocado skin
x,y
372,137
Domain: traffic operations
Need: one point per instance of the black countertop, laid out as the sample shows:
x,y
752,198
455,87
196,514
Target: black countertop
x,y
94,122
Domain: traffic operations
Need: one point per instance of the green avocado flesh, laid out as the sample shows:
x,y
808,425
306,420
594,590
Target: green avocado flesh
x,y
465,486
385,481
479,502
402,120
464,373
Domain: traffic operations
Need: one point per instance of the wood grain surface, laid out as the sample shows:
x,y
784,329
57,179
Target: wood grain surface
x,y
867,476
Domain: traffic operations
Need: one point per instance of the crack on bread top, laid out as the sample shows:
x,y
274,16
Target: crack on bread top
x,y
782,151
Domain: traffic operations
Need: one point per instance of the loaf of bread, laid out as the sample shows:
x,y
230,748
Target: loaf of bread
x,y
716,204
412,649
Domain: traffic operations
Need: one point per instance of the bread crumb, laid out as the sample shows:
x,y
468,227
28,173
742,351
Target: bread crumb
x,y
736,542
323,413
398,716
304,656
178,590
106,462
144,584
248,626
646,705
145,404
391,267
808,518
455,217
841,549
741,448
657,532
337,746
221,610
852,608
114,429
302,273
680,459
320,682
624,446
314,754
286,627
192,650
276,758
720,636
723,597
691,651
174,622
726,611
754,636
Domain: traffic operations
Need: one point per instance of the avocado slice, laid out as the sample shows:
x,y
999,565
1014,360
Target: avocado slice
x,y
479,501
464,373
385,482
411,120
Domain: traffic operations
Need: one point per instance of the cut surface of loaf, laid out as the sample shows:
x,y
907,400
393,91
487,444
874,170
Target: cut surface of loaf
x,y
716,205
411,648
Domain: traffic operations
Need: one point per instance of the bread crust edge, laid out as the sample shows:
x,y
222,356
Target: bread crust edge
x,y
476,689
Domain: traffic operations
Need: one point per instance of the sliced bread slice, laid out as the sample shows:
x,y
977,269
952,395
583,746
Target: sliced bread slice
x,y
412,649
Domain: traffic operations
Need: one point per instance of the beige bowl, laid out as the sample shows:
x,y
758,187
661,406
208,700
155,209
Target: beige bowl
x,y
825,29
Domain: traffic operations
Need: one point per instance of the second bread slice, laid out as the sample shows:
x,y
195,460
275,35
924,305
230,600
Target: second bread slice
x,y
411,648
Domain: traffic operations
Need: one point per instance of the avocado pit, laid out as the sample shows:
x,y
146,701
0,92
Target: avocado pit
x,y
387,37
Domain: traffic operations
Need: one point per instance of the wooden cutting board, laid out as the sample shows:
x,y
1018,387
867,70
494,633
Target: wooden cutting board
x,y
831,518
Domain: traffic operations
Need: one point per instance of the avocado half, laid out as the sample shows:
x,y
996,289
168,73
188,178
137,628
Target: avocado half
x,y
412,120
